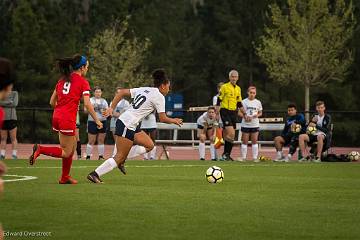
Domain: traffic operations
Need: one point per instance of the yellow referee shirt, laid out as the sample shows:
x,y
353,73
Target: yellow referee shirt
x,y
230,95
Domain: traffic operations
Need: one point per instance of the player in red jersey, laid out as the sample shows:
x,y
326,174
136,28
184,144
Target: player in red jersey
x,y
65,101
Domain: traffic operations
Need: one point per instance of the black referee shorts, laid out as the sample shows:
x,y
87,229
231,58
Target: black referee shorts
x,y
228,117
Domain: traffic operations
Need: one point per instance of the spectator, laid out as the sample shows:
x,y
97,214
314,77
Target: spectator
x,y
10,124
322,122
94,133
206,129
252,109
119,109
148,125
288,136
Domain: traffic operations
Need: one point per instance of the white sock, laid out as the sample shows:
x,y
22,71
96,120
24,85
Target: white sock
x,y
3,152
255,150
101,149
14,152
88,150
153,153
243,151
279,154
212,151
136,151
146,156
202,150
114,151
106,167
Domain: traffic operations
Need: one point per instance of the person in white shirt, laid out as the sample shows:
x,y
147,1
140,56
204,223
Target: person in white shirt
x,y
118,110
206,129
215,98
130,140
148,125
94,133
251,111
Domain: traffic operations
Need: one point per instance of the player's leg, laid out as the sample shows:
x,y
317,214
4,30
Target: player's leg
x,y
153,138
67,143
4,135
90,145
78,143
279,142
254,145
303,139
147,154
229,139
244,142
202,138
210,135
101,146
14,142
320,144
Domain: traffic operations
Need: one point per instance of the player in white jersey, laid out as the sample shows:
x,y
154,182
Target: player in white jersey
x,y
148,125
251,111
130,140
118,110
206,129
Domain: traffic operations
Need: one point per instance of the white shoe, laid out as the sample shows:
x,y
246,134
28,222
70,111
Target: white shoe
x,y
280,160
256,160
240,159
288,158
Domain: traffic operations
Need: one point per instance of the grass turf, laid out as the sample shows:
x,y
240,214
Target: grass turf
x,y
172,200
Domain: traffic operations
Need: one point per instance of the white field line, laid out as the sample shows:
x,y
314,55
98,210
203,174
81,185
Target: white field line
x,y
18,178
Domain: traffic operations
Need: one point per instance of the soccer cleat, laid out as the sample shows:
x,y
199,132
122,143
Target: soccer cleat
x,y
79,157
303,159
101,157
14,157
256,160
2,157
94,177
316,160
202,159
68,180
35,154
214,159
87,157
122,168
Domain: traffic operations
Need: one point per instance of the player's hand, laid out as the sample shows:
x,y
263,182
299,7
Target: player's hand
x,y
3,169
99,124
108,112
247,118
311,124
178,121
314,119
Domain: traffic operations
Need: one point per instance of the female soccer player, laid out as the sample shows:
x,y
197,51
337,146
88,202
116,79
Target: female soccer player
x,y
250,123
65,101
206,129
100,105
146,100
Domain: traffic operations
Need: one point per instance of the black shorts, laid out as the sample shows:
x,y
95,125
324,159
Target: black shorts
x,y
313,139
122,131
77,126
202,127
228,117
287,139
249,130
148,130
92,127
9,124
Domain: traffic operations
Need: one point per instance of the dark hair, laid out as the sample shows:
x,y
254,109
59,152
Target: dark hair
x,y
292,105
211,108
159,77
97,88
319,103
68,64
7,73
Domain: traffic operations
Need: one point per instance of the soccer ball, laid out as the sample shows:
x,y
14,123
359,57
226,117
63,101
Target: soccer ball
x,y
311,130
214,174
354,156
296,128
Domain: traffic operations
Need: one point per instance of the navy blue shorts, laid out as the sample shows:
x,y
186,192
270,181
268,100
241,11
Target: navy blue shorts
x,y
148,130
249,130
122,131
92,127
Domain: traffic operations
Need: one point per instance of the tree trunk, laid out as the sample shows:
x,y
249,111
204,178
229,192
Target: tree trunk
x,y
307,102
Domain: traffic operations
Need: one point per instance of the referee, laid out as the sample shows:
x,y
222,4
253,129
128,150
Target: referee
x,y
229,101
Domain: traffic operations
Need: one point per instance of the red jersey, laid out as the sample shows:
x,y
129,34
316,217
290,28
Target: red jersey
x,y
69,95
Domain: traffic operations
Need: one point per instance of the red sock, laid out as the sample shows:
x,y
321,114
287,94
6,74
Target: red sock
x,y
51,151
66,166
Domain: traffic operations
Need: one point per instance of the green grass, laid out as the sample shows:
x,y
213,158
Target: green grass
x,y
172,200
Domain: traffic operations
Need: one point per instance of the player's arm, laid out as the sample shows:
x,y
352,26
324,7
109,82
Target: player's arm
x,y
91,111
165,119
119,95
53,99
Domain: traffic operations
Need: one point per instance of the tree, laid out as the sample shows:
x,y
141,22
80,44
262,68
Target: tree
x,y
306,43
117,61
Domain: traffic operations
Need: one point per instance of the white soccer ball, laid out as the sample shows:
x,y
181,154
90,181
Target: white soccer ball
x,y
354,156
296,128
311,130
214,174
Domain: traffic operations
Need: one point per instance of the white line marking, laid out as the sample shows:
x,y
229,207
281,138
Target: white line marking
x,y
19,178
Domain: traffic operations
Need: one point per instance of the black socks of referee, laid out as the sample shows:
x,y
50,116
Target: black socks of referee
x,y
78,148
228,147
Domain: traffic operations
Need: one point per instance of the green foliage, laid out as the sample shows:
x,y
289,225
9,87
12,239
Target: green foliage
x,y
118,61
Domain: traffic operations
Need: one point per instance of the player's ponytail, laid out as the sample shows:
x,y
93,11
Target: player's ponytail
x,y
68,64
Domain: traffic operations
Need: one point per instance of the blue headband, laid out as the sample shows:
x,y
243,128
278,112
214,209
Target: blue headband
x,y
82,62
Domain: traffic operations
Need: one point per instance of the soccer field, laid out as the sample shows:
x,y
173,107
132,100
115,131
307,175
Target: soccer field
x,y
172,200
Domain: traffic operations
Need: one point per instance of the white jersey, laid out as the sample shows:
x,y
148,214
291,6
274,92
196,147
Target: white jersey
x,y
204,119
100,105
252,108
146,100
149,121
214,100
120,108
